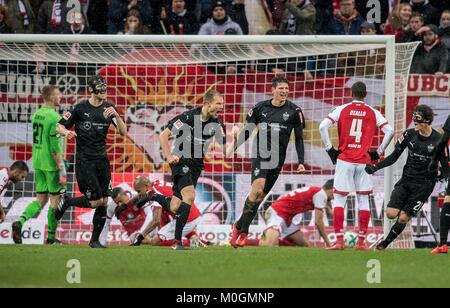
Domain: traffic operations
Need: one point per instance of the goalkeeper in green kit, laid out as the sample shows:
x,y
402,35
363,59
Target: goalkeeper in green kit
x,y
48,164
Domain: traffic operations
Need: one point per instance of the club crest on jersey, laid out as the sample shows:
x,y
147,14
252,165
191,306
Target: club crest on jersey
x,y
130,216
178,124
264,126
430,148
401,138
256,172
185,169
67,116
285,116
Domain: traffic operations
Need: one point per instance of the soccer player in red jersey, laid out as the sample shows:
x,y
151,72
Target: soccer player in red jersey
x,y
279,216
358,123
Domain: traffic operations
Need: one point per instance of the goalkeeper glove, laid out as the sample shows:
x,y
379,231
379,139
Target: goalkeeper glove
x,y
374,155
333,153
371,169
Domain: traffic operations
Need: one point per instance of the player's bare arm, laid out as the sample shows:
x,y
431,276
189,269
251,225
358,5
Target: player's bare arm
x,y
65,132
319,214
121,126
154,223
165,146
2,214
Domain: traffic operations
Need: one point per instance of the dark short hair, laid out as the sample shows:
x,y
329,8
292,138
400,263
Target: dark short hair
x,y
47,91
359,90
209,96
417,14
116,192
277,80
426,112
20,165
328,184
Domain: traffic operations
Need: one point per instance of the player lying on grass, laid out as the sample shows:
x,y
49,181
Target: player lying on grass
x,y
417,182
14,174
280,229
134,219
159,194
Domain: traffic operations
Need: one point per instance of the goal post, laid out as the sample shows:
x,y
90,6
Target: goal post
x,y
153,78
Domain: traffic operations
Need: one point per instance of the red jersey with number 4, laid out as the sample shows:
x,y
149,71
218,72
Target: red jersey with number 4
x,y
165,188
358,124
299,201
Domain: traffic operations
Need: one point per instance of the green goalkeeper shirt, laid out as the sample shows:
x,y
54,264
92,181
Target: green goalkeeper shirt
x,y
46,141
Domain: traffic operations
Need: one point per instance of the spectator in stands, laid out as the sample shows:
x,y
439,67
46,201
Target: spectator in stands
x,y
441,5
52,17
77,24
97,16
220,22
444,34
179,20
398,22
4,22
299,18
36,4
21,16
277,8
431,56
346,20
413,33
134,24
238,15
370,62
429,12
119,9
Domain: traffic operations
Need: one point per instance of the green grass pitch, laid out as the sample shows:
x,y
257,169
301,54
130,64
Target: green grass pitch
x,y
46,266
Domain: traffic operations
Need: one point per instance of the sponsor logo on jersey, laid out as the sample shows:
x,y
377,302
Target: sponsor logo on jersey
x,y
67,116
178,124
87,125
286,116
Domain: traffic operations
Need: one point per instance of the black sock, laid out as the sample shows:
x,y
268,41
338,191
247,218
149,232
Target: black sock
x,y
98,222
445,223
396,230
80,202
248,214
163,201
181,220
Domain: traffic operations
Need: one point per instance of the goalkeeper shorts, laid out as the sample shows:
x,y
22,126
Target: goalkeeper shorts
x,y
48,182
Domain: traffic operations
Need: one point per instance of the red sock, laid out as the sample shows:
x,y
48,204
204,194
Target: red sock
x,y
286,243
191,234
364,219
250,242
186,243
339,216
166,243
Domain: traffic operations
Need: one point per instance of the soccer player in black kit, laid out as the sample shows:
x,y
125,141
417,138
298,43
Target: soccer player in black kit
x,y
275,119
92,119
444,225
417,182
194,131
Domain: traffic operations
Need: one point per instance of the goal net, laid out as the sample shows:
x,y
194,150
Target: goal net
x,y
154,78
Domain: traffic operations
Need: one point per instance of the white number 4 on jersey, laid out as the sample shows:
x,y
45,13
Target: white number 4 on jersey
x,y
356,130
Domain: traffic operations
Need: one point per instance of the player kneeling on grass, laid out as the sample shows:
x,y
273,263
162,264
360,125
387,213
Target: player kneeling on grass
x,y
134,219
160,194
417,182
14,174
280,230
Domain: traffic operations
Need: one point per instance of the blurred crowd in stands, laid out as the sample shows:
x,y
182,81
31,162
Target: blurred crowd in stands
x,y
426,21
